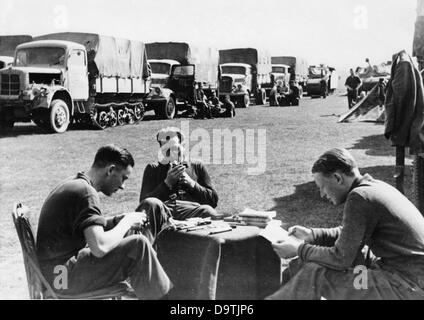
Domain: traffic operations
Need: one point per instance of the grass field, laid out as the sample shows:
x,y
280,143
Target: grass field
x,y
32,163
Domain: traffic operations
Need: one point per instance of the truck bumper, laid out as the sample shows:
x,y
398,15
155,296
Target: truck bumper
x,y
19,109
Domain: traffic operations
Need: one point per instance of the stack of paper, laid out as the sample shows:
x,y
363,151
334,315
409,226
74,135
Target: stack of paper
x,y
256,218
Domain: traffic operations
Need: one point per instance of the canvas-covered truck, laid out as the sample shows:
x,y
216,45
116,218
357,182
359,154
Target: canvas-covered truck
x,y
86,78
322,81
176,67
7,48
246,73
298,68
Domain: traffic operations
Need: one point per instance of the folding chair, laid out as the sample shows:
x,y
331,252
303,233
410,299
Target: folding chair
x,y
38,286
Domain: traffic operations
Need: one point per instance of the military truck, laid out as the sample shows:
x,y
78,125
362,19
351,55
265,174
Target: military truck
x,y
176,67
322,81
246,72
64,77
7,48
298,68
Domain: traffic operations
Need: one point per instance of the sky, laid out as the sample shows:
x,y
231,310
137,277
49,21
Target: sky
x,y
341,33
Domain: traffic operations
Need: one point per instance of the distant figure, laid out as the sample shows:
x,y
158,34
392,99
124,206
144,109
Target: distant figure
x,y
221,110
353,83
203,109
229,108
293,97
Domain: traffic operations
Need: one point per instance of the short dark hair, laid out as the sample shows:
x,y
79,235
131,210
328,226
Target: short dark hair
x,y
112,154
333,160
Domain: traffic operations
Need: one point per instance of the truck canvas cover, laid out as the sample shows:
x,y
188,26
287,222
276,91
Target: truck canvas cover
x,y
9,43
113,57
205,59
259,59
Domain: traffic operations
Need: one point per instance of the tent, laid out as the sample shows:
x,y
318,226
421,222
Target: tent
x,y
367,109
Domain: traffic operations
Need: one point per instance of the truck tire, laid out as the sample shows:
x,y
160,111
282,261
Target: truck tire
x,y
261,97
168,110
59,117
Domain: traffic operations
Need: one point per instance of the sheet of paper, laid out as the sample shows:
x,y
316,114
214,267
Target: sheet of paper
x,y
274,233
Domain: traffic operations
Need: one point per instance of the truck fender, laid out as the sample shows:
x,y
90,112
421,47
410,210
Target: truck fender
x,y
63,94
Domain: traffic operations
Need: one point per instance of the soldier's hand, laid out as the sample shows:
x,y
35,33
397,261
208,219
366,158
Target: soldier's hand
x,y
301,233
136,219
174,175
187,181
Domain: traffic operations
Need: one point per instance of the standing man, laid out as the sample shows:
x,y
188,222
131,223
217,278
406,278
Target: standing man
x,y
73,233
174,186
353,83
330,263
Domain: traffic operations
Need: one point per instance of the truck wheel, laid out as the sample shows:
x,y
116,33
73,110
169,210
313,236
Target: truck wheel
x,y
102,119
138,113
261,97
169,109
121,117
59,117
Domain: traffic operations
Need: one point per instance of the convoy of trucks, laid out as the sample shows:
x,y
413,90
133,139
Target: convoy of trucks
x,y
103,81
86,78
246,73
176,67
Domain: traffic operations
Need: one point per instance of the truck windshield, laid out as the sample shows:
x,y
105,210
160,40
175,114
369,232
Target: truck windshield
x,y
316,73
279,69
44,56
233,70
161,68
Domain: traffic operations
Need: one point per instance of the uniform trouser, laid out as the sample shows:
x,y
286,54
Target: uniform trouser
x,y
352,95
133,259
311,281
178,209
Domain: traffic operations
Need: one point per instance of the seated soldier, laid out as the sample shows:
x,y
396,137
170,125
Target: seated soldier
x,y
229,108
175,186
203,108
293,97
222,110
215,105
330,262
75,235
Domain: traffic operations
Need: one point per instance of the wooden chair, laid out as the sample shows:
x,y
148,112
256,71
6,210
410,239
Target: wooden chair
x,y
38,286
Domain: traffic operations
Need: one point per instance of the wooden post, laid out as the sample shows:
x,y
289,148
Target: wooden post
x,y
400,168
418,168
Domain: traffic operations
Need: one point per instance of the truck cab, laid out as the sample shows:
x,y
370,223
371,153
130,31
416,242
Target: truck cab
x,y
161,71
46,78
318,83
281,72
236,81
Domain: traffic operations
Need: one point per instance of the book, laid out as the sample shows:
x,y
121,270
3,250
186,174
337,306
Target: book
x,y
250,213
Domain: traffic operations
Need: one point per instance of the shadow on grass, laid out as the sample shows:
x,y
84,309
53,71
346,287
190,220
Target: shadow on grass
x,y
22,130
305,206
377,145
